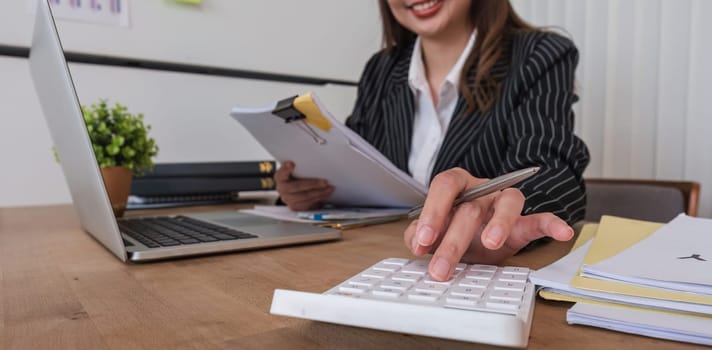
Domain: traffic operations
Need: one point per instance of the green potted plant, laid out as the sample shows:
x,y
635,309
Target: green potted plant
x,y
122,148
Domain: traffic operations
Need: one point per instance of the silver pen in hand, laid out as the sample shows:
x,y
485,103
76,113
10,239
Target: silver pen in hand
x,y
493,185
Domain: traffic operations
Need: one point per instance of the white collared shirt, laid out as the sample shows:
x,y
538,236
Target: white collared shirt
x,y
431,122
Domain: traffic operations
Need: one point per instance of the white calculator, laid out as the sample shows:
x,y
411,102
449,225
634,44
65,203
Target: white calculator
x,y
479,303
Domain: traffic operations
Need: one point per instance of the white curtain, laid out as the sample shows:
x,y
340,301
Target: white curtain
x,y
645,82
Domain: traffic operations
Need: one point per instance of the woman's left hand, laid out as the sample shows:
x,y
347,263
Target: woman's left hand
x,y
485,230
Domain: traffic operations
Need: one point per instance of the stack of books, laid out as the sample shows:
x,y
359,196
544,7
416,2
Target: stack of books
x,y
638,277
172,184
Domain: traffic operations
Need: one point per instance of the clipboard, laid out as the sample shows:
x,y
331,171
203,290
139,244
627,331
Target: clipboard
x,y
302,130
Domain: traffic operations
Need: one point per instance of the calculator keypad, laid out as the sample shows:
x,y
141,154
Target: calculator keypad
x,y
473,287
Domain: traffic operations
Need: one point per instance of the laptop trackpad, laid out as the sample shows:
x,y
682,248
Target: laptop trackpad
x,y
261,226
234,219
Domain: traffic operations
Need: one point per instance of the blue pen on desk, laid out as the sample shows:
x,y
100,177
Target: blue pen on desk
x,y
323,216
312,216
351,213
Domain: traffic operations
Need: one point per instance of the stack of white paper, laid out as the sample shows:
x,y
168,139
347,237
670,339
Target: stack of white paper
x,y
635,248
678,256
556,278
664,325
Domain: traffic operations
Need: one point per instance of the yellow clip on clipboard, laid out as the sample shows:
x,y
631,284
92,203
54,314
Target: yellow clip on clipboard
x,y
303,112
305,104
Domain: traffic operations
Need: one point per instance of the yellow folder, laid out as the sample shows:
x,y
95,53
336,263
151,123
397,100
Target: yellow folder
x,y
587,233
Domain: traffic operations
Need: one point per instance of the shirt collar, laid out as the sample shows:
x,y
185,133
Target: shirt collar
x,y
416,72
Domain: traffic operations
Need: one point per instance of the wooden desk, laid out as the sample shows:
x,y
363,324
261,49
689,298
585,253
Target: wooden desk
x,y
61,289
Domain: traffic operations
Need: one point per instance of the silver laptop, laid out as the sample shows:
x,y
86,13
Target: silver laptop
x,y
136,240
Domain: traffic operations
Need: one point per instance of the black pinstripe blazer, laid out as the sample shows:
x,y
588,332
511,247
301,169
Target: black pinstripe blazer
x,y
531,122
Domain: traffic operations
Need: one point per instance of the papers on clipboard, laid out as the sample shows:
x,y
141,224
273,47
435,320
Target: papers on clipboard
x,y
301,130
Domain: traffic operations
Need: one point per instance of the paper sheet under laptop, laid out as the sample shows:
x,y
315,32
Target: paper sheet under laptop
x,y
322,147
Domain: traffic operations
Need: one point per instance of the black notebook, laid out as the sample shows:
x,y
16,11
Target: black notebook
x,y
146,202
188,180
213,169
170,186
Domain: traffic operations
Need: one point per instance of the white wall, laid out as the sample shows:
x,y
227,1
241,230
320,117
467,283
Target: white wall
x,y
278,36
645,84
189,115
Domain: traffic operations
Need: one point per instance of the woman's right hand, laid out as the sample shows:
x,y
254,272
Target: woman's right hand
x,y
300,194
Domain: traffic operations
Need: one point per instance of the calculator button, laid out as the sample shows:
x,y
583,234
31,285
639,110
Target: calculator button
x,y
473,283
480,275
376,274
461,300
430,288
349,288
506,295
419,263
513,286
460,266
427,279
467,291
364,281
402,285
421,296
416,267
386,267
386,292
479,267
408,277
515,270
508,277
503,304
395,261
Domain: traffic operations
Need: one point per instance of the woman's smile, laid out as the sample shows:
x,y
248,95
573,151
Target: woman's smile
x,y
424,9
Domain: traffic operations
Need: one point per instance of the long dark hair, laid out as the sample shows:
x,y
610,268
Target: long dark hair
x,y
495,22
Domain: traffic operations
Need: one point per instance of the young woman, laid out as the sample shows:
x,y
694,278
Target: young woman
x,y
465,90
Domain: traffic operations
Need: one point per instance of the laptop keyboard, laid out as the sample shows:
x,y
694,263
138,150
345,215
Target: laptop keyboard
x,y
170,231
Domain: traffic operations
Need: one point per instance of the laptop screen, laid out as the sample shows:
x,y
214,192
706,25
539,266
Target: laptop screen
x,y
60,105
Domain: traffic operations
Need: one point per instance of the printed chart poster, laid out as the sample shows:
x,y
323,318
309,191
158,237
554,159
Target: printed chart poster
x,y
109,12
